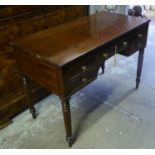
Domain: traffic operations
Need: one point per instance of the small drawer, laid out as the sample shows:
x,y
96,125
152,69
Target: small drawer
x,y
136,41
139,44
139,37
82,66
107,52
140,34
115,47
123,48
77,83
107,55
123,45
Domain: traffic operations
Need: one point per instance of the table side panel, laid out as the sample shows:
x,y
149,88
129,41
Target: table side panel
x,y
44,74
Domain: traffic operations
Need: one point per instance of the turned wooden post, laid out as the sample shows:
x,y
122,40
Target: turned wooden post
x,y
139,66
28,92
67,120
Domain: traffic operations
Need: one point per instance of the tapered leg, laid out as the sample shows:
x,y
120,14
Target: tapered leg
x,y
67,121
27,86
139,67
102,67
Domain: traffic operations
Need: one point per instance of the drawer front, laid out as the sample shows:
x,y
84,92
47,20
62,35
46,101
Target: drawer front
x,y
124,44
115,47
81,81
136,40
81,66
106,53
119,45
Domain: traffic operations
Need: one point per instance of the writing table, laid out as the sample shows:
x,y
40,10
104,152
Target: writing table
x,y
66,58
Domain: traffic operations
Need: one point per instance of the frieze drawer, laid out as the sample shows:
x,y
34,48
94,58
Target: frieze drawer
x,y
82,66
137,40
77,83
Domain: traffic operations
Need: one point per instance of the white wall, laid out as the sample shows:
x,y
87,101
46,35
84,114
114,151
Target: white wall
x,y
122,9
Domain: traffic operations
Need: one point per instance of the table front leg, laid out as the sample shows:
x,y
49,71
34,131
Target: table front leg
x,y
27,87
139,67
67,120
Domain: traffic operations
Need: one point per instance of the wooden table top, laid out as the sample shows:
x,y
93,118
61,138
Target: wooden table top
x,y
64,43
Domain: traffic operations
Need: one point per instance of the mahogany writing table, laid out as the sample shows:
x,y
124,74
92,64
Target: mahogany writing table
x,y
66,58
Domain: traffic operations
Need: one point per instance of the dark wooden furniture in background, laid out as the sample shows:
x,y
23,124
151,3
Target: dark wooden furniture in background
x,y
66,58
17,22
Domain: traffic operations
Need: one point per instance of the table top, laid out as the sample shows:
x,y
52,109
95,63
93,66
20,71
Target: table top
x,y
64,43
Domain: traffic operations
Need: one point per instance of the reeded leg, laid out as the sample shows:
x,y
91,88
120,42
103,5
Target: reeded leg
x,y
27,87
67,121
102,67
139,67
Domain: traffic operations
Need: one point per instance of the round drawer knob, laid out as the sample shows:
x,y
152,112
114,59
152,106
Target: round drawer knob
x,y
84,79
105,55
140,35
84,68
139,45
125,43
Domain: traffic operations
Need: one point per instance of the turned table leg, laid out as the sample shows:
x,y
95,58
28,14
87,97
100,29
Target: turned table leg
x,y
139,67
103,67
67,120
27,87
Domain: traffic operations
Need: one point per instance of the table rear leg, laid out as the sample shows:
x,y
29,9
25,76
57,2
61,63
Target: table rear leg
x,y
28,92
139,67
103,66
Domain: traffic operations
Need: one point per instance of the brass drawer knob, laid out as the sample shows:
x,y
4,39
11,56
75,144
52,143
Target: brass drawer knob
x,y
139,45
84,79
105,55
84,68
125,43
140,35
